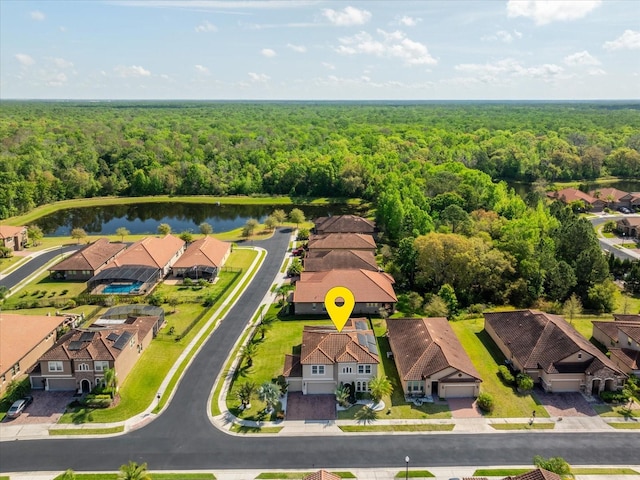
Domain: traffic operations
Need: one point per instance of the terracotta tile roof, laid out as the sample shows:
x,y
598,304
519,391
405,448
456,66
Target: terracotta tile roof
x,y
630,358
568,195
631,328
424,346
91,257
208,251
344,241
344,224
537,474
619,317
324,345
608,328
321,475
340,259
9,231
292,366
605,193
366,286
19,334
629,221
542,340
150,251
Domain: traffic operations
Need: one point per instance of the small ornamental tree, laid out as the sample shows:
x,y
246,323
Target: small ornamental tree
x,y
279,215
122,232
164,229
485,402
269,393
270,222
303,234
186,237
525,382
245,393
295,268
78,234
380,387
296,216
342,396
35,234
554,464
205,228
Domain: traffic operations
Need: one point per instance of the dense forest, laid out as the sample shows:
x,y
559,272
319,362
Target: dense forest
x,y
431,171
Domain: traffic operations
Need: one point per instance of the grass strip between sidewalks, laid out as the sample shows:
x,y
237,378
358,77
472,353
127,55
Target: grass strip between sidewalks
x,y
86,431
500,472
523,426
153,476
415,474
298,475
245,429
624,425
603,471
434,427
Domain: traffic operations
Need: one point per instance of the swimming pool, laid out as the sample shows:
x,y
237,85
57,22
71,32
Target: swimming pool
x,y
122,287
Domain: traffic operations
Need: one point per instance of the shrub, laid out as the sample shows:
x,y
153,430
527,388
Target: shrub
x,y
525,382
505,374
97,401
71,303
614,397
303,234
187,282
485,402
155,299
477,308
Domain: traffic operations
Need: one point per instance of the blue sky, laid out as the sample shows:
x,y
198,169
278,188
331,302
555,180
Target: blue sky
x,y
324,50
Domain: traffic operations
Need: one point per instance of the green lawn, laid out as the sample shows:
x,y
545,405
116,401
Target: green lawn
x,y
605,410
625,425
414,474
243,429
603,471
44,290
398,428
6,263
297,475
500,472
523,426
486,357
86,431
154,476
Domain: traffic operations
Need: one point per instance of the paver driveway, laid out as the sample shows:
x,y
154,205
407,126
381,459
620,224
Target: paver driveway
x,y
310,407
47,407
464,408
567,404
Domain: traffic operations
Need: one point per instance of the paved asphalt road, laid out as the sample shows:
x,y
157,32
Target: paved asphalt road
x,y
34,265
183,438
605,243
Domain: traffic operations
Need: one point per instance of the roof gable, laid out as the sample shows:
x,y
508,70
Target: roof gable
x,y
344,224
208,251
150,251
92,256
324,345
366,286
607,193
7,231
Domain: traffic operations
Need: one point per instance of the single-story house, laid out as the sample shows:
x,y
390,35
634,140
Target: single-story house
x,y
570,195
342,241
629,226
329,358
320,261
203,258
23,339
88,262
15,238
613,197
344,224
430,358
622,338
79,358
371,290
552,352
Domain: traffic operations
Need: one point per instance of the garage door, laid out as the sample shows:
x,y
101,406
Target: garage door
x,y
458,391
565,386
57,384
314,388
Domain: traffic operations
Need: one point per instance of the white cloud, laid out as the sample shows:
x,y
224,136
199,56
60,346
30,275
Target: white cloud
x,y
132,71
408,21
347,17
630,39
267,52
498,72
201,69
60,62
502,36
206,26
37,15
56,79
24,59
297,48
328,66
259,77
392,45
596,71
62,28
544,12
217,4
581,58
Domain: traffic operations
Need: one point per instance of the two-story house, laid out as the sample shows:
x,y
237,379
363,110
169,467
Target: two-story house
x,y
622,338
329,358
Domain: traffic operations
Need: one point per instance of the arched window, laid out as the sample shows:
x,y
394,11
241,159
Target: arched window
x,y
83,367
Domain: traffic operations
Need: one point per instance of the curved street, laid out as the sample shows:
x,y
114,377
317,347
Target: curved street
x,y
183,437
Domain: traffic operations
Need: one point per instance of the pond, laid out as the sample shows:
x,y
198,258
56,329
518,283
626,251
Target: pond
x,y
144,218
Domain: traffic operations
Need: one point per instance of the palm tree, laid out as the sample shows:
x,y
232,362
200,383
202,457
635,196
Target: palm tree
x,y
245,393
263,328
111,381
366,415
248,352
342,396
269,393
133,471
380,387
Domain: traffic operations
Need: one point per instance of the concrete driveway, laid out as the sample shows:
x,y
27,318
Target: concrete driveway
x,y
47,407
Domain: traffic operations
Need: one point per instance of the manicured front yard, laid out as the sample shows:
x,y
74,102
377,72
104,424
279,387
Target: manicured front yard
x,y
486,357
605,410
43,291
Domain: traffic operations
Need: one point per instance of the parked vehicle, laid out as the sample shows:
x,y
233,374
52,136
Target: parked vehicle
x,y
17,408
624,210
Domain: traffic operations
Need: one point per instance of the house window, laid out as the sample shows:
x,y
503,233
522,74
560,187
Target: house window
x,y
362,369
313,306
55,366
83,367
101,365
362,386
16,369
579,355
415,386
317,369
347,370
100,382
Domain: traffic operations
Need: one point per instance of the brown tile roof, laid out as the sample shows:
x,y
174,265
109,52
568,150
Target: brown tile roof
x,y
568,195
324,345
150,251
629,221
321,475
9,231
340,259
90,257
604,193
608,328
424,346
19,334
344,241
537,474
631,328
619,317
344,224
366,286
541,340
292,366
630,358
208,251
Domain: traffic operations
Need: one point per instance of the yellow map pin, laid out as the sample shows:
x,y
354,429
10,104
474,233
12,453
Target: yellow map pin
x,y
339,313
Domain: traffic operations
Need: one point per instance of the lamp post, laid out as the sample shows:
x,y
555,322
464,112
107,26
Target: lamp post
x,y
406,472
